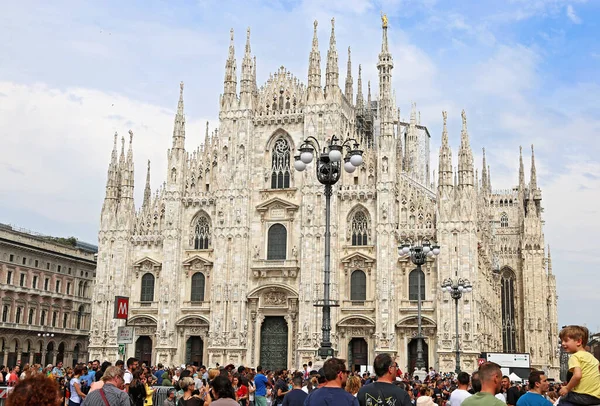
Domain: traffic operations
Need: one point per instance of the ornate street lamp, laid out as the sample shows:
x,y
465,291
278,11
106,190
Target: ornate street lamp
x,y
328,168
418,256
456,290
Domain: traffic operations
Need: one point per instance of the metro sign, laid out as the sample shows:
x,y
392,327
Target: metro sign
x,y
121,307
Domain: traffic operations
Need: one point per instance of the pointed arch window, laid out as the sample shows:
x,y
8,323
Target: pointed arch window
x,y
358,285
277,242
147,294
508,311
198,284
54,317
80,317
280,165
30,319
5,313
202,233
18,315
43,318
504,220
360,228
416,285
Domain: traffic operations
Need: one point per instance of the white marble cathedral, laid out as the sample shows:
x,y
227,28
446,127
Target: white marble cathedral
x,y
225,261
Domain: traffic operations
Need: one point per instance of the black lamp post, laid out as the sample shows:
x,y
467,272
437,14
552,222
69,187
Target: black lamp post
x,y
328,168
456,289
418,256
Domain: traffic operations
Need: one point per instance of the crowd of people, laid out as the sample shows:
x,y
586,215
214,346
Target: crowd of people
x,y
132,384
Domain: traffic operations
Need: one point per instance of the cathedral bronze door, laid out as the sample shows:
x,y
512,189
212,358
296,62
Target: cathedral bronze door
x,y
194,347
143,350
274,343
358,353
412,355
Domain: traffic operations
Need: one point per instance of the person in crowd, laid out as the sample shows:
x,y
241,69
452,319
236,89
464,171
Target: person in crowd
x,y
425,398
112,391
170,400
513,393
379,391
137,389
261,382
584,386
490,376
101,371
333,392
223,392
58,370
241,390
353,385
36,390
132,365
13,376
159,373
167,378
538,386
186,384
296,396
475,383
440,392
147,380
251,388
281,387
76,394
460,393
503,388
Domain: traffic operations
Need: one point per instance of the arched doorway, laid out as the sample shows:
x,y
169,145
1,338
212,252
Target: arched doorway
x,y
143,350
274,343
37,357
12,355
76,351
25,351
50,354
358,353
194,347
412,354
60,357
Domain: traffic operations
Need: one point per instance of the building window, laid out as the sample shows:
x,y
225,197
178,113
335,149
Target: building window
x,y
24,261
37,263
57,287
147,288
507,290
358,285
22,280
202,233
504,220
416,278
5,313
48,265
359,228
18,315
198,282
68,288
43,318
80,317
30,318
9,277
11,257
46,283
58,268
280,165
65,319
277,242
34,284
54,317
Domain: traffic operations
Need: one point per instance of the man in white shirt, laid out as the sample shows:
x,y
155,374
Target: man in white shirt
x,y
505,385
460,394
132,365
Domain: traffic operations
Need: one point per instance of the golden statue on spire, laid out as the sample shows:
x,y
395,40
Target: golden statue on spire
x,y
384,20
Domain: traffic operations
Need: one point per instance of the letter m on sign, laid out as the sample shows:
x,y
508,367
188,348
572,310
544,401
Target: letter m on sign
x,y
121,307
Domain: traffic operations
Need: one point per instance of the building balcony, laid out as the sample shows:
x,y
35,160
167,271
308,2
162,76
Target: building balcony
x,y
358,306
195,306
412,306
275,268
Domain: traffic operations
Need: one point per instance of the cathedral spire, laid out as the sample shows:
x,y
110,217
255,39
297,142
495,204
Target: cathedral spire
x,y
230,83
246,81
332,73
179,126
465,156
112,183
549,261
489,180
533,180
445,157
521,171
385,66
147,190
484,174
349,81
127,170
314,67
360,102
369,97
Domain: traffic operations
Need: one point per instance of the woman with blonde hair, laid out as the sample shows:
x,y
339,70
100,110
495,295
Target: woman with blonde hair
x,y
353,385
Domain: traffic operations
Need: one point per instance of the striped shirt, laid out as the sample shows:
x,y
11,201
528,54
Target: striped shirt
x,y
114,395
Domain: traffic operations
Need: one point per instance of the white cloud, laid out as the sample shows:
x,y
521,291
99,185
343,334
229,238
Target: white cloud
x,y
572,15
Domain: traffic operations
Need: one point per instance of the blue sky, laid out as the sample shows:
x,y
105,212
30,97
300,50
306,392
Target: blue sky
x,y
73,72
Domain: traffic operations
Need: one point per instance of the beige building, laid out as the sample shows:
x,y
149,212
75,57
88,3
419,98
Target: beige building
x,y
45,290
225,261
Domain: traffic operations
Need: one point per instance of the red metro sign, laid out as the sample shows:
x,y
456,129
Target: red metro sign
x,y
121,307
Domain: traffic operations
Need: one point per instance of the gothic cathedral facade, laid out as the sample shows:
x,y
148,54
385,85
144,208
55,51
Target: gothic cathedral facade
x,y
224,262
